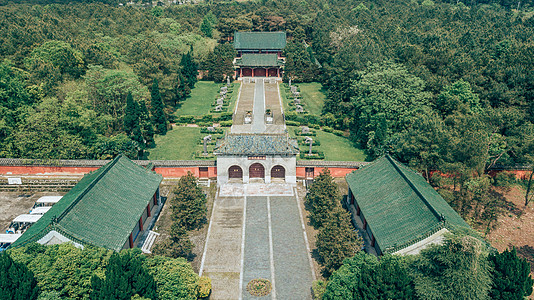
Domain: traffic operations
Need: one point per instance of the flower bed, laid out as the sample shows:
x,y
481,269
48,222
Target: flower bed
x,y
259,287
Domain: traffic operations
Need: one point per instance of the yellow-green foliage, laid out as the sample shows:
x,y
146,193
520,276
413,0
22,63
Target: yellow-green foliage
x,y
204,287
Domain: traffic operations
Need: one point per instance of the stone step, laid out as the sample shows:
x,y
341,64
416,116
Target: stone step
x,y
150,239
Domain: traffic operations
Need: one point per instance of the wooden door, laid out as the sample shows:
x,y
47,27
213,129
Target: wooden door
x,y
235,172
278,172
203,172
256,171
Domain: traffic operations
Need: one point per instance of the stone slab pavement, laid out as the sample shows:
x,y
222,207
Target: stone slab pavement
x,y
256,231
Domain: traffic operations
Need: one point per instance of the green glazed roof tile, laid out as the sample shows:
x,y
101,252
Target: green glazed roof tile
x,y
399,205
259,60
256,144
259,40
103,208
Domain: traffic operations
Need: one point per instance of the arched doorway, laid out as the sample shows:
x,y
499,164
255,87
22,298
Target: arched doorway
x,y
235,172
278,172
256,171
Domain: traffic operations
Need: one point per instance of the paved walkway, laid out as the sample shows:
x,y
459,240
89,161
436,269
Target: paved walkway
x,y
258,118
257,232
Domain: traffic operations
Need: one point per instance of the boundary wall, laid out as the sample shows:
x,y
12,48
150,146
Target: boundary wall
x,y
199,168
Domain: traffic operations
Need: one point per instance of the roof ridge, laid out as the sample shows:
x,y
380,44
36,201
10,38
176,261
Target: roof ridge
x,y
438,216
91,184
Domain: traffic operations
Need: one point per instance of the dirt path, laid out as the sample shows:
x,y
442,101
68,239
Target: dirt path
x,y
516,228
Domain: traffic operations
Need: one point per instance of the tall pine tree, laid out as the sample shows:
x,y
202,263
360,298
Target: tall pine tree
x,y
189,69
146,126
189,203
322,198
125,277
17,282
131,117
511,278
158,115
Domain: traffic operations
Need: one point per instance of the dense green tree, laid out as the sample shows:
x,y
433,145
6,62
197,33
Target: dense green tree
x,y
220,62
125,277
158,115
386,90
109,147
14,101
457,269
52,61
363,276
511,276
188,202
456,96
131,115
300,64
322,197
146,125
337,240
63,269
206,27
189,69
17,282
175,278
108,90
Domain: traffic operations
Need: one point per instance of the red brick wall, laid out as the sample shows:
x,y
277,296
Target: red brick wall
x,y
335,172
182,171
40,170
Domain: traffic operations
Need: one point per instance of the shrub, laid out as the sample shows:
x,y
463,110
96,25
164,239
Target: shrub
x,y
226,123
338,132
205,124
318,288
204,287
226,116
292,123
314,126
328,129
186,120
505,179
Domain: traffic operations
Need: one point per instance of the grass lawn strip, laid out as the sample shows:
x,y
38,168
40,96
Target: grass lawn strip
x,y
312,97
180,143
335,148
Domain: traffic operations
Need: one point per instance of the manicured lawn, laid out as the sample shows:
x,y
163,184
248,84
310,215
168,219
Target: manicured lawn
x,y
312,97
311,94
335,148
202,97
180,143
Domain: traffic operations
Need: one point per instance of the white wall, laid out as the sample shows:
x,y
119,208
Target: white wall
x,y
224,162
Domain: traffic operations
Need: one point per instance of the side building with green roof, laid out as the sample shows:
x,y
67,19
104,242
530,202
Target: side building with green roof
x,y
397,210
110,207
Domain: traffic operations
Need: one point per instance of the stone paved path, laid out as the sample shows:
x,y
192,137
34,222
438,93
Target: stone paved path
x,y
272,247
258,119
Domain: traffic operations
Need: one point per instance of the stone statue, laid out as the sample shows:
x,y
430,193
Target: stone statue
x,y
211,129
218,108
309,140
220,101
297,101
299,109
207,139
305,129
228,80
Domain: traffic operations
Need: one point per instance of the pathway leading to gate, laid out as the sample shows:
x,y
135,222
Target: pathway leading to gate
x,y
256,231
256,96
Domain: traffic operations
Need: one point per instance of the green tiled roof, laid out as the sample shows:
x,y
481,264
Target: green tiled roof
x,y
259,60
102,209
400,207
260,40
257,144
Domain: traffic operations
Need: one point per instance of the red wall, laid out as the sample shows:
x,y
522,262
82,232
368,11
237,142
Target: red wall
x,y
182,171
39,170
335,172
